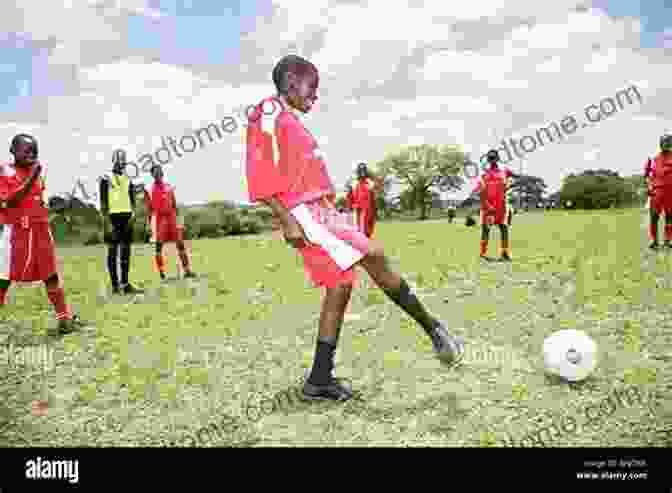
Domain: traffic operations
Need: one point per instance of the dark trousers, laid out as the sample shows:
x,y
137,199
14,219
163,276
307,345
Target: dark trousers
x,y
119,245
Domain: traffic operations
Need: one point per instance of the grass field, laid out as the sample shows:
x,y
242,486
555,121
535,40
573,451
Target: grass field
x,y
188,357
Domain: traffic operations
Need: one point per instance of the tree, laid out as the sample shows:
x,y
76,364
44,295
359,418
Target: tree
x,y
638,187
527,189
597,189
383,199
425,169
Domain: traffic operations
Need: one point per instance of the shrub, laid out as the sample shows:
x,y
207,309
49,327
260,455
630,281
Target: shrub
x,y
230,221
251,226
95,238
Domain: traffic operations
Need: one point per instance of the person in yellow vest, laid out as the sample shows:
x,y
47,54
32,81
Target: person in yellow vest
x,y
117,204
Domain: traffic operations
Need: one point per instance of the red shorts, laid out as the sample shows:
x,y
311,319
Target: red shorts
x,y
319,264
661,202
165,229
501,216
368,221
27,254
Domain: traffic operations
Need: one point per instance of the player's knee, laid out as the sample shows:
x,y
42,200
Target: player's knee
x,y
376,252
340,292
51,281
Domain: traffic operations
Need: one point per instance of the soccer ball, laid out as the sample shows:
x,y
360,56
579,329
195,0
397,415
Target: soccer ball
x,y
570,354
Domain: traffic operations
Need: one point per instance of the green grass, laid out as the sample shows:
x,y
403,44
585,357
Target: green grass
x,y
152,371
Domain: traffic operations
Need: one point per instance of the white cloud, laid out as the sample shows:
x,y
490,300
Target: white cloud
x,y
490,76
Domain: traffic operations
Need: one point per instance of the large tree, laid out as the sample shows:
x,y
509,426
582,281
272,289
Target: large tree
x,y
527,189
597,189
425,169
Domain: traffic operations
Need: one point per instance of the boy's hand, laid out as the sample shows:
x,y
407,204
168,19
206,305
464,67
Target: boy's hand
x,y
107,229
293,232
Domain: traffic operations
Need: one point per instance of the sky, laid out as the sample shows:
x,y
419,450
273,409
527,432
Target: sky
x,y
89,76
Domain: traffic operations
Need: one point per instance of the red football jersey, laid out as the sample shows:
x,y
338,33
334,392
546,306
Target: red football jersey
x,y
283,158
160,199
493,185
363,195
33,204
661,171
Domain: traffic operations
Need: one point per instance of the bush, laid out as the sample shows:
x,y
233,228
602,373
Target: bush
x,y
251,226
210,229
95,238
265,215
470,221
231,222
218,221
203,223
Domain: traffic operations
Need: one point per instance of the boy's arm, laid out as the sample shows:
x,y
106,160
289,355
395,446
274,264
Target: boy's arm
x,y
148,203
174,199
378,182
104,198
263,148
278,209
131,194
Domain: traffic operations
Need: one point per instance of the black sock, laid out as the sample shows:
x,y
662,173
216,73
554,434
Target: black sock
x,y
408,302
323,364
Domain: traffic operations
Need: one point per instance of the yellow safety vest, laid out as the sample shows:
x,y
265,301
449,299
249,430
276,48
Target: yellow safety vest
x,y
117,196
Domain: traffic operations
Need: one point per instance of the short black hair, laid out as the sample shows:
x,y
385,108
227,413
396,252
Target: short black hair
x,y
293,64
25,138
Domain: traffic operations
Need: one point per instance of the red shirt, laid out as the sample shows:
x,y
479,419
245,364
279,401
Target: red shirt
x,y
33,205
283,159
363,196
493,185
160,199
660,171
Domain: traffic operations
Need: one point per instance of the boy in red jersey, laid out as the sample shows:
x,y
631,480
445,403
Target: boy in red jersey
x,y
27,249
658,173
286,170
364,201
162,211
493,186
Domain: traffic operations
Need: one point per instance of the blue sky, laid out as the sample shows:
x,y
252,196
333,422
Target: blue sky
x,y
655,16
128,72
205,32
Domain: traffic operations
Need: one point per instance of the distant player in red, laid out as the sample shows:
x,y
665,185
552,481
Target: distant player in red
x,y
162,210
350,203
364,201
658,173
287,171
493,186
27,249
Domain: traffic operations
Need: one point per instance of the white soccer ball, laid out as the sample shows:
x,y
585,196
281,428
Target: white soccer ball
x,y
570,354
